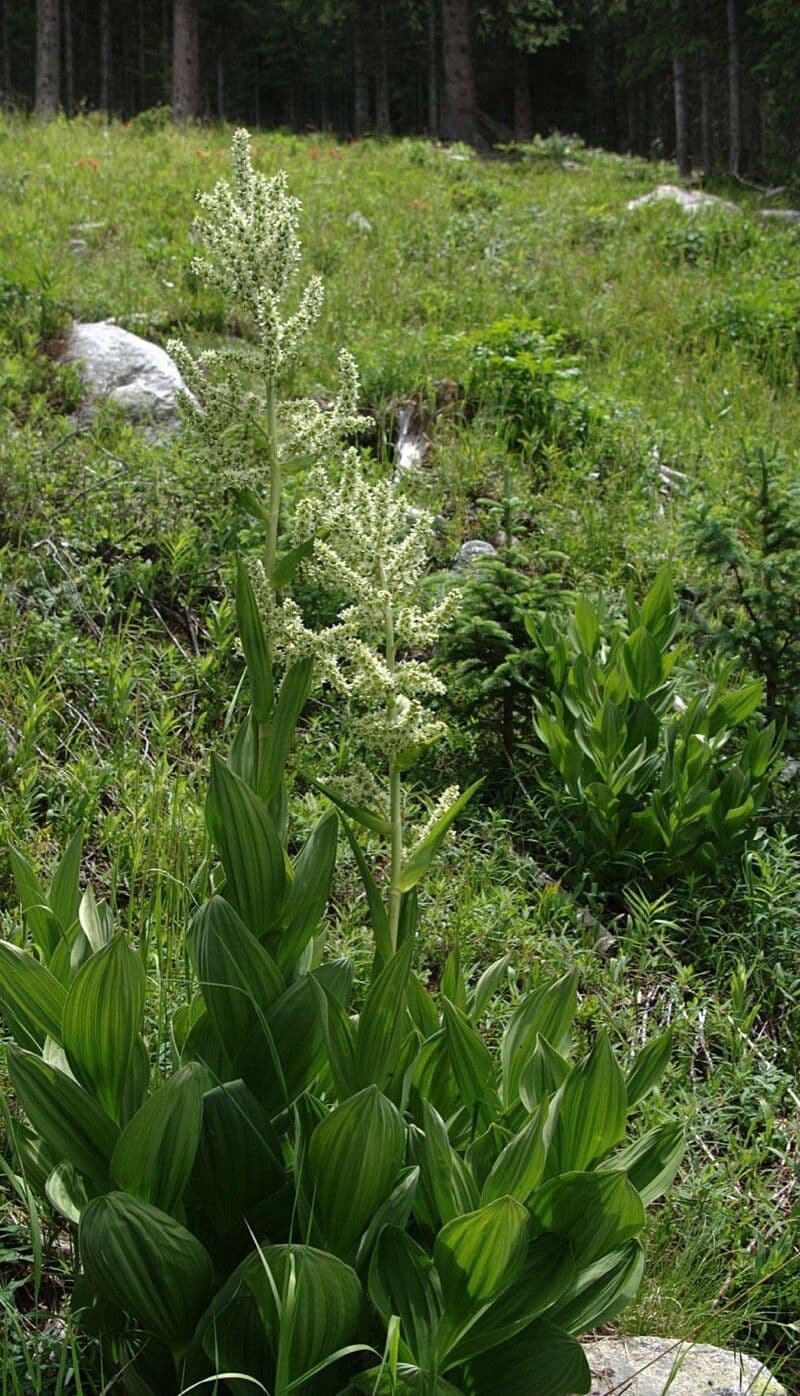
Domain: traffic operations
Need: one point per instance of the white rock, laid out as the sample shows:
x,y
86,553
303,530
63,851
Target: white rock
x,y
689,199
358,220
785,215
654,1366
139,376
471,551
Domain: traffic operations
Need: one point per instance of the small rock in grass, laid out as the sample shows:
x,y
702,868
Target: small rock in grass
x,y
688,199
472,551
652,1366
139,376
784,215
358,220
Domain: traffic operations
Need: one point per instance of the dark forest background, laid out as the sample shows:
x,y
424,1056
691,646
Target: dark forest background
x,y
714,83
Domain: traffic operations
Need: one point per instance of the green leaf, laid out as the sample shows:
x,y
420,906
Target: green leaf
x,y
238,1161
238,979
248,845
39,919
248,500
95,920
547,1012
487,986
643,664
543,1359
144,1261
64,895
395,1211
452,986
367,818
326,1301
604,1290
652,1162
286,566
69,1120
586,626
290,703
154,1154
403,1281
548,1272
477,1256
520,1167
31,998
658,611
378,914
595,1212
67,1192
102,1015
309,891
591,1110
362,1141
447,1187
420,858
295,1037
254,644
648,1068
546,1071
339,1031
469,1056
383,1022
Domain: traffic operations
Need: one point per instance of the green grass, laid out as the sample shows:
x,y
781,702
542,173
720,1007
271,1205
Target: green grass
x,y
117,633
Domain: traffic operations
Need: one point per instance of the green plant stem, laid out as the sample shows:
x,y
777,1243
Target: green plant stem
x,y
395,792
275,482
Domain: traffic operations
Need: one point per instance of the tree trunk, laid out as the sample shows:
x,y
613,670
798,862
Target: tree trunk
x,y
682,154
734,91
185,60
48,57
383,121
141,65
360,77
433,71
220,82
105,56
460,106
5,71
706,134
523,107
69,58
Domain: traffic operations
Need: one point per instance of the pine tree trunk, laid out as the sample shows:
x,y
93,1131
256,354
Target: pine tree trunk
x,y
48,57
433,71
5,71
105,56
383,122
185,60
682,154
220,82
460,104
734,91
706,134
69,58
361,79
141,65
523,107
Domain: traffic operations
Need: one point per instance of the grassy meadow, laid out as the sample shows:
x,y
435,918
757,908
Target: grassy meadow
x,y
665,355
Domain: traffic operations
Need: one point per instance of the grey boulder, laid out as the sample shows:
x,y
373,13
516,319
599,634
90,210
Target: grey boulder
x,y
690,200
139,376
664,1367
472,551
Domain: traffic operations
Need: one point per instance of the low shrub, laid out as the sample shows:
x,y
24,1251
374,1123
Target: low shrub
x,y
529,383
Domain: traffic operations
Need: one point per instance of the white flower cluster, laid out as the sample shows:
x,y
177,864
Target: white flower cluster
x,y
368,550
249,229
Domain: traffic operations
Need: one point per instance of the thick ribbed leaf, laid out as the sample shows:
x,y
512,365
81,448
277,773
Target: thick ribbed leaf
x,y
452,986
67,1191
648,1068
477,1256
548,1272
383,1022
652,1162
254,644
247,841
290,703
309,892
96,920
469,1056
144,1261
339,1032
487,986
154,1154
602,1291
403,1281
42,924
367,818
591,1111
202,1044
520,1167
361,1141
378,915
420,858
238,979
31,998
326,1301
101,1020
595,1212
69,1120
546,1071
238,1161
64,894
543,1359
395,1211
547,1012
447,1187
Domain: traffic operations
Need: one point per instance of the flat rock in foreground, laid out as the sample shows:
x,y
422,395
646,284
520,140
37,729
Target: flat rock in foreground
x,y
655,1366
139,376
688,199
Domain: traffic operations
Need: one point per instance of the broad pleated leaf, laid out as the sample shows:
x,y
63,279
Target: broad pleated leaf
x,y
378,915
102,1016
547,1012
477,1256
69,1120
383,1022
447,1185
395,1211
246,839
66,1191
290,703
238,1161
403,1281
95,919
520,1167
327,1300
605,1289
487,986
367,818
543,1359
238,979
652,1162
469,1056
339,1032
254,644
420,858
64,894
596,1212
546,1071
309,892
154,1154
40,920
648,1068
144,1261
591,1111
31,998
354,1158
